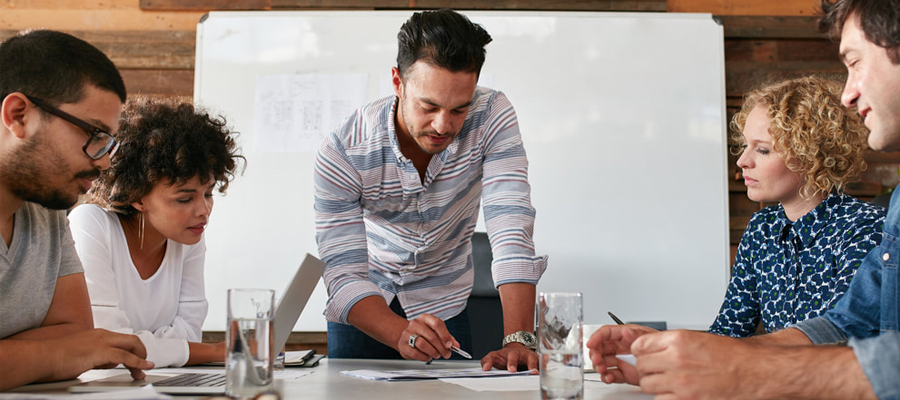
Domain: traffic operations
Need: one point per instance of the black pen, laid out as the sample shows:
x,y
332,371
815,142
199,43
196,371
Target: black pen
x,y
615,318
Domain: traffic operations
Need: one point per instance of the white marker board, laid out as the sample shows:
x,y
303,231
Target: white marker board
x,y
623,119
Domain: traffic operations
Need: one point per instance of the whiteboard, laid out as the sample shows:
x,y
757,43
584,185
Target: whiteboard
x,y
623,119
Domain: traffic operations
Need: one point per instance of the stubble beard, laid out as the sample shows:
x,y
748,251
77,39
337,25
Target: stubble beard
x,y
25,178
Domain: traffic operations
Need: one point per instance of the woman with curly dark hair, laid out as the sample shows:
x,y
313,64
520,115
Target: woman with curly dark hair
x,y
140,237
796,258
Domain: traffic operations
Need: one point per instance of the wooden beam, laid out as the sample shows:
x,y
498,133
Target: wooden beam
x,y
341,4
746,7
129,19
741,76
159,82
140,49
204,5
70,4
768,50
542,5
755,27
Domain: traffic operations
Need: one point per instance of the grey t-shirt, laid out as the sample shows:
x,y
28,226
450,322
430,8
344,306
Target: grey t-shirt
x,y
41,251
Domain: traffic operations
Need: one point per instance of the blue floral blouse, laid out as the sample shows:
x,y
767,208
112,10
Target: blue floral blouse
x,y
788,272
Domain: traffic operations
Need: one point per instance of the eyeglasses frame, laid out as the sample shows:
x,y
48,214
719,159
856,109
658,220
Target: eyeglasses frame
x,y
92,131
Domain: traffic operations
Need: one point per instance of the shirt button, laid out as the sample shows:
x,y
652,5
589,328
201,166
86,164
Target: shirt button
x,y
886,256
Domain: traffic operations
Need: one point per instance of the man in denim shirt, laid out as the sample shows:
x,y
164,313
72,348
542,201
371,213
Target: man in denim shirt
x,y
865,363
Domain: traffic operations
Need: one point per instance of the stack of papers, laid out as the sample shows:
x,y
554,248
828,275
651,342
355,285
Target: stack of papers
x,y
417,374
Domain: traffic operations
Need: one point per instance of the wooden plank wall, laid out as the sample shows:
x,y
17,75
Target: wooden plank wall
x,y
153,41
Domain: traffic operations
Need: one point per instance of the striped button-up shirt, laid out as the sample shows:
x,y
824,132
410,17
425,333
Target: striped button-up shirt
x,y
382,232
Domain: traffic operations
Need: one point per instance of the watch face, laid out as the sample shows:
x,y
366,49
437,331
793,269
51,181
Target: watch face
x,y
529,339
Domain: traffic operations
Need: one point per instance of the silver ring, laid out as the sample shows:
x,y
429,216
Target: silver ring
x,y
412,340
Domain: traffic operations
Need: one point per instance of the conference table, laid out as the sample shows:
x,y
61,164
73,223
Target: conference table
x,y
325,381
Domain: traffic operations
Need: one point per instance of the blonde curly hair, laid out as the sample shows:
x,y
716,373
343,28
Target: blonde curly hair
x,y
818,138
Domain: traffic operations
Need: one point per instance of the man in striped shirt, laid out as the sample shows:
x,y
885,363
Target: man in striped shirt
x,y
397,191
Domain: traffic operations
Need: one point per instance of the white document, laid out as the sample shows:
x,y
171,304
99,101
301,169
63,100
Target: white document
x,y
416,374
294,112
500,384
279,374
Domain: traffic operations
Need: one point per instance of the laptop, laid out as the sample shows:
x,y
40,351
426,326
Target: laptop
x,y
288,311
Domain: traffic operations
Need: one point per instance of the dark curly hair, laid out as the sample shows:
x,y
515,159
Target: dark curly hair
x,y
164,139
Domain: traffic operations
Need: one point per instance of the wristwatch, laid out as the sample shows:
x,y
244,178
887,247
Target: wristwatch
x,y
524,337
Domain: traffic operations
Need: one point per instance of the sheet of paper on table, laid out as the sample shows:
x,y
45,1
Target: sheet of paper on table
x,y
417,374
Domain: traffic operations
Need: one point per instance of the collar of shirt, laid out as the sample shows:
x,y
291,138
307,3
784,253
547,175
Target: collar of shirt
x,y
409,175
807,227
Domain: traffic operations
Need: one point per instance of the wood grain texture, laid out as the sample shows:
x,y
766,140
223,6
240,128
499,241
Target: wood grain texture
x,y
746,7
140,49
67,19
793,27
204,5
741,76
547,5
159,82
69,4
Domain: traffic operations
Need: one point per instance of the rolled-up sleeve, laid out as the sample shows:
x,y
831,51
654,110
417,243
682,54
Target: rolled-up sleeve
x,y
508,213
821,331
879,357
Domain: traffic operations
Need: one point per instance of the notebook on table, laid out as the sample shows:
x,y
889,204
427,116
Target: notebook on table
x,y
286,314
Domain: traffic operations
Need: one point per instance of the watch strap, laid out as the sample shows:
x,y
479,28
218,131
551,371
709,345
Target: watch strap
x,y
524,337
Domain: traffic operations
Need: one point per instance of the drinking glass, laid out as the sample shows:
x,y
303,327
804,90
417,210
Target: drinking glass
x,y
250,333
559,345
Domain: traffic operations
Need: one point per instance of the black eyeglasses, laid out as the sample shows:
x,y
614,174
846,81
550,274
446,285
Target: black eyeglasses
x,y
99,141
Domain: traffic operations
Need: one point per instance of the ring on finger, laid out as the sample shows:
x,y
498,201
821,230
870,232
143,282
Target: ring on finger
x,y
412,340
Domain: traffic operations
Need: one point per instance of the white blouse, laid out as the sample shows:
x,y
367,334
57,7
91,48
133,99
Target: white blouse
x,y
165,310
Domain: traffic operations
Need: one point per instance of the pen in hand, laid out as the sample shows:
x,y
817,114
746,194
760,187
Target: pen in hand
x,y
456,350
461,352
629,358
615,318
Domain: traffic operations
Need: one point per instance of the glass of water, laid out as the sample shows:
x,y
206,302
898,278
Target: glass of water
x,y
559,345
250,333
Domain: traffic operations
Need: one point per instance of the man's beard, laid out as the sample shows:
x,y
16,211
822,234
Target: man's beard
x,y
415,135
26,178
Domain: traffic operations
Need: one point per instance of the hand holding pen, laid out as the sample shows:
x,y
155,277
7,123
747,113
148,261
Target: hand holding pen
x,y
426,338
607,346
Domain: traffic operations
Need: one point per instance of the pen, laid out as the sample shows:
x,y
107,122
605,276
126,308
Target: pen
x,y
461,352
615,318
456,350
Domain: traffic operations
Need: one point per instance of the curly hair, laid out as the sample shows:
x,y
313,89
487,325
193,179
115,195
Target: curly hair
x,y
164,140
819,139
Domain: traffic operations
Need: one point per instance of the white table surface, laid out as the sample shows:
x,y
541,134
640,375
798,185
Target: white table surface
x,y
326,382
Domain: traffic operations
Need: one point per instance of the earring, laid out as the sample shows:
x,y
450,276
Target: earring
x,y
141,233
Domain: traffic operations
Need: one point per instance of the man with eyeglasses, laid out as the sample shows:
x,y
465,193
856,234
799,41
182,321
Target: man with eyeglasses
x,y
61,99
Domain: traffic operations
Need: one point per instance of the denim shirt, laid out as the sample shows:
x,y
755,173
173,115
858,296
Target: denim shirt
x,y
869,314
